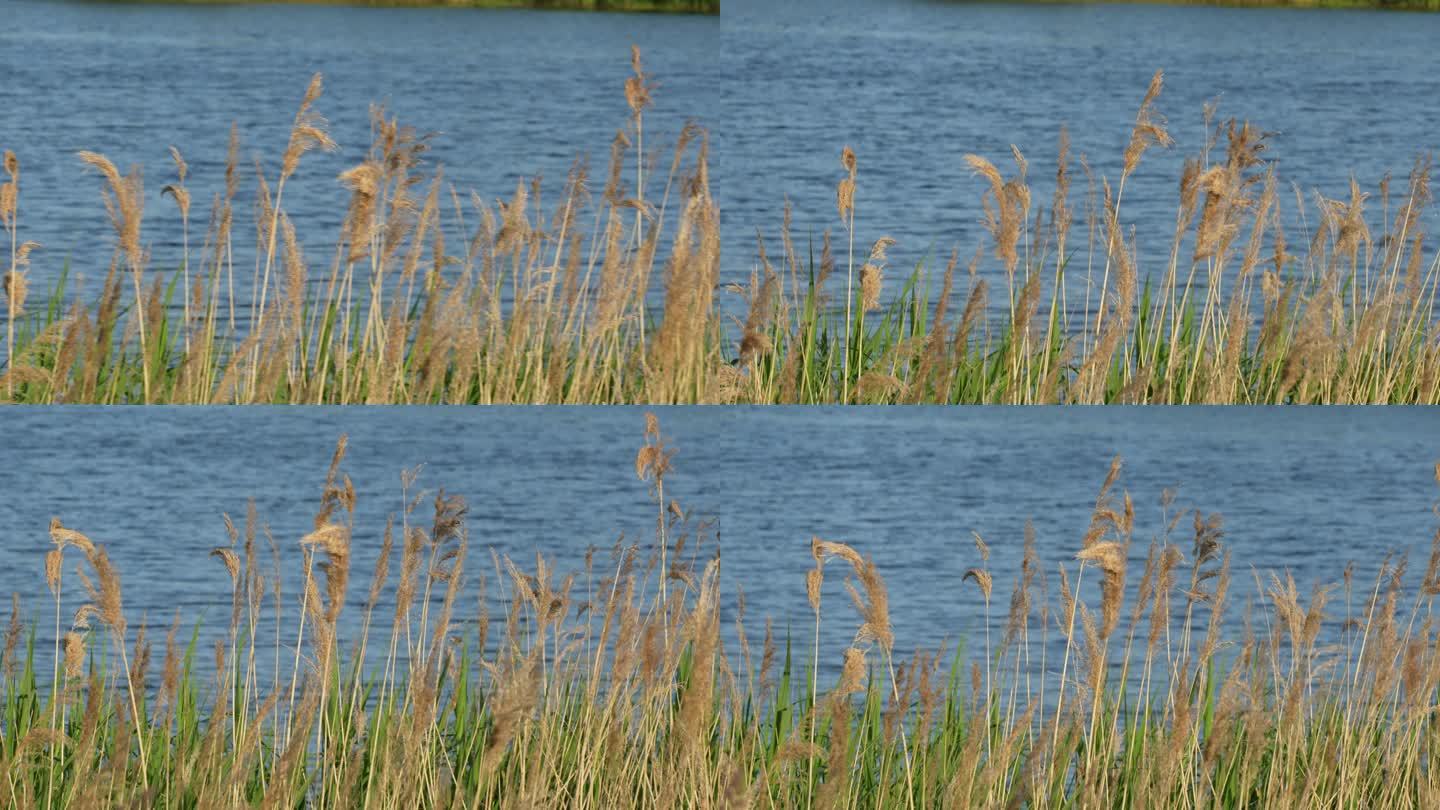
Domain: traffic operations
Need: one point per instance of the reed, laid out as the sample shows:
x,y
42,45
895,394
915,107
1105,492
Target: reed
x,y
601,689
614,295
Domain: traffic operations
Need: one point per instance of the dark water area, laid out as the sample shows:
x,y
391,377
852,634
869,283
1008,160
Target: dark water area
x,y
915,85
511,94
1303,490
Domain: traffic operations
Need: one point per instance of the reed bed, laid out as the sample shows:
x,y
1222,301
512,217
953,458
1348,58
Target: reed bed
x,y
519,304
617,686
1240,311
617,297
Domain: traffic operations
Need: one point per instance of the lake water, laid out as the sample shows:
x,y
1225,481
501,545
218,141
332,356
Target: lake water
x,y
915,85
513,94
1308,490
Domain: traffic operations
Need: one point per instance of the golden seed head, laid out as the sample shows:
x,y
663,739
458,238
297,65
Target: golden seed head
x,y
182,198
877,250
653,459
22,253
852,673
103,165
74,654
844,552
1109,556
644,460
982,578
871,277
814,578
231,561
983,167
637,96
845,197
637,91
309,130
982,547
108,597
54,561
182,169
332,538
62,537
363,180
9,196
874,606
17,288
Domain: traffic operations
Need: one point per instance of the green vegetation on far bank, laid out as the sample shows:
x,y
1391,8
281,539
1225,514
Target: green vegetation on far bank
x,y
1387,5
652,6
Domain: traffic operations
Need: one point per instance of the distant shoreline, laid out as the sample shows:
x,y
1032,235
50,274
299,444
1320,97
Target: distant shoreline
x,y
1373,5
709,7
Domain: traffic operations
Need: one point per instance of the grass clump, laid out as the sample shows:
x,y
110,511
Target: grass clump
x,y
619,686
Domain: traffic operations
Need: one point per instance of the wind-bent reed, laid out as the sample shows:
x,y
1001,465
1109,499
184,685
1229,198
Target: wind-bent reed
x,y
557,306
616,687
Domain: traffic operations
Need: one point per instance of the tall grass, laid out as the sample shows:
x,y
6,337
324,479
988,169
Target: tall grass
x,y
617,296
617,686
